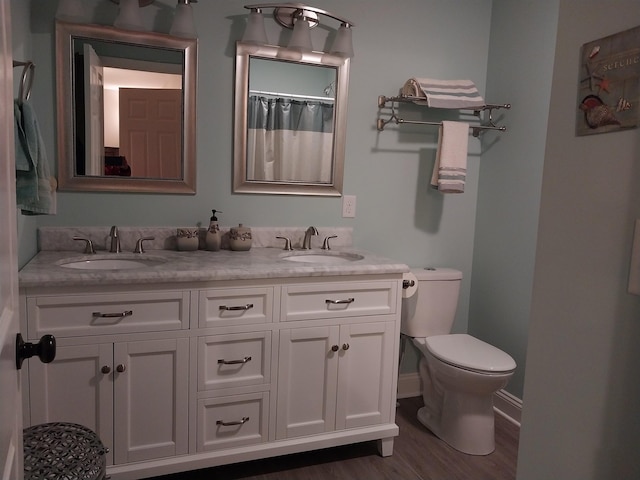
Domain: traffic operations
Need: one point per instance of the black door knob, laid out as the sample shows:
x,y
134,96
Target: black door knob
x,y
45,349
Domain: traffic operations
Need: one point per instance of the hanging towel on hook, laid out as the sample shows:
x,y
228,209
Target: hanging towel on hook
x,y
34,187
450,169
443,93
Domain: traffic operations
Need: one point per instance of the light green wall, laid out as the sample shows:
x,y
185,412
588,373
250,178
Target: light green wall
x,y
520,69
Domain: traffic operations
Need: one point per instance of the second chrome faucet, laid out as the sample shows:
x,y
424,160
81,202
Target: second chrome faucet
x,y
115,240
306,243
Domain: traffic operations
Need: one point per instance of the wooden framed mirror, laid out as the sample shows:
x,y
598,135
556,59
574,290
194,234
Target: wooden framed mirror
x,y
126,104
290,121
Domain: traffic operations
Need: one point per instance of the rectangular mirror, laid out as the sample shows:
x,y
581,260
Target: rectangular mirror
x,y
126,110
290,121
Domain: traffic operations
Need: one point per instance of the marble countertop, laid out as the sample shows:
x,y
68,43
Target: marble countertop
x,y
45,269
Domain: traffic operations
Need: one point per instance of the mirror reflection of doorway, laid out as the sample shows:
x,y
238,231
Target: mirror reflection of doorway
x,y
150,132
94,112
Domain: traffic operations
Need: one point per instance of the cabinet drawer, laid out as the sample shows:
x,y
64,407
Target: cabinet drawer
x,y
226,422
234,360
77,315
302,302
237,306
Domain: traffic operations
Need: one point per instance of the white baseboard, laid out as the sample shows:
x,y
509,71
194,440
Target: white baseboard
x,y
509,406
409,385
505,404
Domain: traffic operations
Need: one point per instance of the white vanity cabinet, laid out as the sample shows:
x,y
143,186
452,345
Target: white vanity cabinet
x,y
332,378
335,367
132,392
175,377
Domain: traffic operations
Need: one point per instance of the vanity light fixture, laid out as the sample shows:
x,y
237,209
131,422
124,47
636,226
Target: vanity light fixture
x,y
184,24
301,36
129,18
255,32
129,15
301,18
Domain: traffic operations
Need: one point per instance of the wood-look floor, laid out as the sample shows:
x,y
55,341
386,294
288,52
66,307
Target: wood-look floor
x,y
417,455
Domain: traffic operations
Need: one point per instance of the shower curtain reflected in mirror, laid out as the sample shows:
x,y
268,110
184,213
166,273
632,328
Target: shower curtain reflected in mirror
x,y
289,140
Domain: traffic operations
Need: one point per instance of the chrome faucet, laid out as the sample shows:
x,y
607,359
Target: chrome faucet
x,y
115,240
306,243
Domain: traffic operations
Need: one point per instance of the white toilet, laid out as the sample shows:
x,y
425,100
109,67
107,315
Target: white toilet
x,y
459,373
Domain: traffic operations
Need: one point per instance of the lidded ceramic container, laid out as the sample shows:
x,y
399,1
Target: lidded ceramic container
x,y
240,238
187,239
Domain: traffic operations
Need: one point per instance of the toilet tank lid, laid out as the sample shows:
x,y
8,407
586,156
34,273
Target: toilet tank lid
x,y
430,273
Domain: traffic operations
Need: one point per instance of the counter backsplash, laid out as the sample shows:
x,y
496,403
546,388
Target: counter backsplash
x,y
61,238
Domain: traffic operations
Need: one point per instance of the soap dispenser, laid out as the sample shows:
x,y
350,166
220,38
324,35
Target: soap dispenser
x,y
213,238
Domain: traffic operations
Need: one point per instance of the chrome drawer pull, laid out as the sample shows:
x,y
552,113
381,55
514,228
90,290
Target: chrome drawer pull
x,y
242,307
233,362
126,313
340,302
231,424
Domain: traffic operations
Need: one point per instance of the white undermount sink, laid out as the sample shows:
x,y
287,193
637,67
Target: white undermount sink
x,y
112,262
324,257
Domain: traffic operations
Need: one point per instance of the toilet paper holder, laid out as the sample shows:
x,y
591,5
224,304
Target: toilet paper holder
x,y
408,284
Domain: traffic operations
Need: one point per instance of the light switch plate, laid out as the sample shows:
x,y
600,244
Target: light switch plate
x,y
348,206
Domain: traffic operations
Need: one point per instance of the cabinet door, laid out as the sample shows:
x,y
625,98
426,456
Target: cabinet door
x,y
365,374
150,399
74,388
307,376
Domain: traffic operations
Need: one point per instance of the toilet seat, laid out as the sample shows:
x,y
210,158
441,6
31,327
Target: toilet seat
x,y
467,352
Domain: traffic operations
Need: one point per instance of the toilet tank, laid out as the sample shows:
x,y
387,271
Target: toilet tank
x,y
432,309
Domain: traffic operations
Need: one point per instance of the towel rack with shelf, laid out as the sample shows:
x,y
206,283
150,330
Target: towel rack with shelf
x,y
477,111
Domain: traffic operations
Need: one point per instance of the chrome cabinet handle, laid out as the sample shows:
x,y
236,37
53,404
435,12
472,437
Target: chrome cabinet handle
x,y
231,424
121,368
222,361
126,313
335,348
241,307
345,346
106,369
340,302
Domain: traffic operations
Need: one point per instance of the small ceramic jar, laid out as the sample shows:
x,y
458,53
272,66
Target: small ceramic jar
x,y
187,239
240,238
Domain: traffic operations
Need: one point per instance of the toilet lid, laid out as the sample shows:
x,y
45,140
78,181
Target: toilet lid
x,y
468,352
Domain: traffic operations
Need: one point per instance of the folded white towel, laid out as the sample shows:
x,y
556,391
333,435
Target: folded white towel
x,y
450,169
443,93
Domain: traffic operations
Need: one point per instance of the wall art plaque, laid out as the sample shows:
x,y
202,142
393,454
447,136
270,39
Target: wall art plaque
x,y
609,84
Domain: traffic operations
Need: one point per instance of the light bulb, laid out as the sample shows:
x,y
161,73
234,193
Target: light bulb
x,y
301,37
129,16
255,32
343,44
184,24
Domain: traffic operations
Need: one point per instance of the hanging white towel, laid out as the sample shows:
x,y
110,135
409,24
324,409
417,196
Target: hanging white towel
x,y
450,169
443,93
